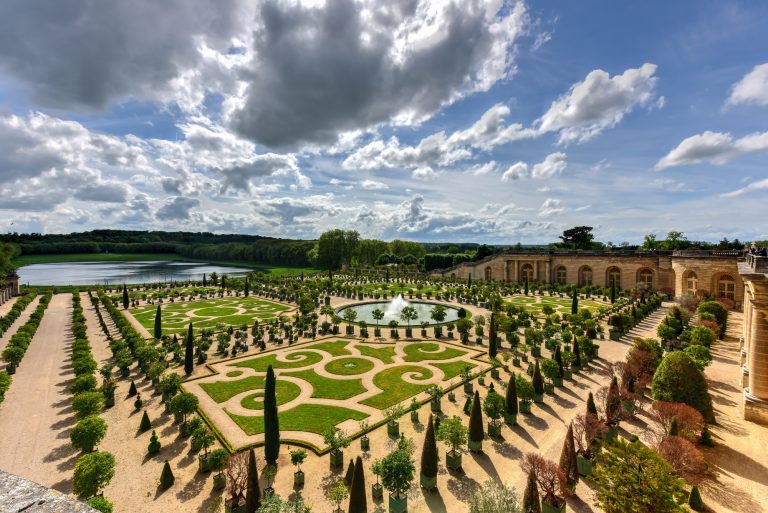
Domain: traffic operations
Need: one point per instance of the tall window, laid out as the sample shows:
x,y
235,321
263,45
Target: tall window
x,y
526,273
692,283
585,276
726,287
614,277
645,279
488,275
561,275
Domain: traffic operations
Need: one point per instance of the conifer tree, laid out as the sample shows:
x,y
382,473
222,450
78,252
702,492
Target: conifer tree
x,y
154,443
125,297
537,381
511,397
253,492
158,324
613,292
189,351
145,425
350,473
559,359
166,477
246,291
526,285
568,458
575,302
674,430
591,408
429,452
358,499
476,432
531,503
694,499
467,405
576,352
204,281
132,389
271,421
492,350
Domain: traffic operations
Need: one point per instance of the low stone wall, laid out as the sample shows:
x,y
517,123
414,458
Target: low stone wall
x,y
19,494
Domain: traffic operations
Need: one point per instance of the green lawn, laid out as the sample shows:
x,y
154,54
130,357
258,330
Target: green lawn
x,y
327,388
386,354
452,369
314,418
221,391
422,351
334,348
295,359
349,366
394,388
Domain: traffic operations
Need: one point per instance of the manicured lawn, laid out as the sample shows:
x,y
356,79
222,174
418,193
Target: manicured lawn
x,y
296,359
386,353
327,388
452,369
314,418
349,366
285,391
394,388
334,348
221,391
422,351
561,305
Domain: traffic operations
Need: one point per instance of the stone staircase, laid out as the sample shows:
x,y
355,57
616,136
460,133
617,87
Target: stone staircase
x,y
647,326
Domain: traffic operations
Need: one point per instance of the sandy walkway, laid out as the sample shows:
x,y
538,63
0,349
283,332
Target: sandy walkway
x,y
18,323
36,417
6,307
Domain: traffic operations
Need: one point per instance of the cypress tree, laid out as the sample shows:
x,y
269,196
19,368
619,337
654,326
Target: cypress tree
x,y
613,401
531,503
511,397
467,405
132,389
271,421
694,499
350,473
576,352
613,292
476,432
166,477
246,287
437,425
559,359
568,458
537,381
204,280
125,297
138,402
158,324
358,500
706,437
145,425
674,430
223,281
469,281
526,285
492,337
575,303
189,352
591,408
253,492
429,452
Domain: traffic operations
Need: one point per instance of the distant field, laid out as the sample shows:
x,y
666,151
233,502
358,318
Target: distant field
x,y
132,257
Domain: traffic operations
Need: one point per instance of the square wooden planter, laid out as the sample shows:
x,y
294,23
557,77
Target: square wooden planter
x,y
468,388
398,504
429,483
298,478
377,491
494,430
337,458
524,406
475,446
365,443
511,418
583,465
453,461
393,428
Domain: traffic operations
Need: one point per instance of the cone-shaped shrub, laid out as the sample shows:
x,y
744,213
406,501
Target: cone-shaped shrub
x,y
252,491
189,351
350,473
145,423
476,432
358,499
132,389
125,298
167,478
537,381
674,429
271,422
492,351
678,380
531,503
591,408
575,302
429,451
511,398
154,444
568,458
467,405
158,323
694,499
559,359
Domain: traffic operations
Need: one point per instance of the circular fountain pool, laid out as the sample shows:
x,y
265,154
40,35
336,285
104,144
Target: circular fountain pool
x,y
392,311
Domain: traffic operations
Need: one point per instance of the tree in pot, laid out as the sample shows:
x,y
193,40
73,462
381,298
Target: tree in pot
x,y
269,473
183,405
393,413
408,314
466,375
378,315
495,497
510,401
358,502
525,392
297,458
438,314
568,463
337,440
453,433
217,462
435,393
397,473
393,329
377,491
93,472
365,441
337,494
550,481
428,476
350,314
88,433
493,407
476,431
538,384
550,370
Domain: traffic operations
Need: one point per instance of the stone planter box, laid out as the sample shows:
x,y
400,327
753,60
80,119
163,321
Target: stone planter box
x,y
337,458
475,446
584,466
557,381
398,504
365,443
494,429
298,478
408,333
393,428
511,418
393,333
377,491
202,464
453,461
430,483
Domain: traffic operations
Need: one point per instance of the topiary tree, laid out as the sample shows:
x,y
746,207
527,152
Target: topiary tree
x,y
154,444
158,332
531,502
632,477
510,403
132,389
694,499
568,458
189,351
537,381
718,311
679,380
253,492
85,404
271,421
358,500
166,476
337,494
575,302
476,431
429,456
88,433
126,302
93,471
398,469
591,407
145,425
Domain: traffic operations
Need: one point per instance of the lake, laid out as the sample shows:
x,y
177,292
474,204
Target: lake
x,y
103,273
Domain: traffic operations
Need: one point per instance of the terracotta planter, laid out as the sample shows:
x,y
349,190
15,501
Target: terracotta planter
x,y
453,461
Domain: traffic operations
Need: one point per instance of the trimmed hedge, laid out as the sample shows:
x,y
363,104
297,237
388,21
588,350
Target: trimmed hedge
x,y
678,380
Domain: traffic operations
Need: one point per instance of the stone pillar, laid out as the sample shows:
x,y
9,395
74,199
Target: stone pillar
x,y
756,396
517,272
548,270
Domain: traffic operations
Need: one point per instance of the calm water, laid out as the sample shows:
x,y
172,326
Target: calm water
x,y
101,273
365,313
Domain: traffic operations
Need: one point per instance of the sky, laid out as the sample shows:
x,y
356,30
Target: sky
x,y
467,121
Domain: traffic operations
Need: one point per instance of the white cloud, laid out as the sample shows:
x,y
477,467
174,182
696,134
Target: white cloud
x,y
752,88
760,185
713,148
516,171
483,169
373,185
424,173
551,207
177,209
599,102
553,165
669,185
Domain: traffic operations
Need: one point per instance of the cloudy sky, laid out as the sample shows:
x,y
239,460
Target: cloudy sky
x,y
486,121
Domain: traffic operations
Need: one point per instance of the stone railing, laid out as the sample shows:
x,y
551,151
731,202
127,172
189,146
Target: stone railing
x,y
758,263
708,253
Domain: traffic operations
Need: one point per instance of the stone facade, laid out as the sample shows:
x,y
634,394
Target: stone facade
x,y
19,494
677,273
754,273
10,288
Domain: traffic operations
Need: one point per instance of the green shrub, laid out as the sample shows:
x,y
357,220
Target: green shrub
x,y
145,425
87,403
100,503
84,383
166,477
88,432
716,309
679,380
93,471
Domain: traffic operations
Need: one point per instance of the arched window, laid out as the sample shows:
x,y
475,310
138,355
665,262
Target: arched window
x,y
726,287
526,273
585,276
645,279
561,275
691,283
488,273
613,277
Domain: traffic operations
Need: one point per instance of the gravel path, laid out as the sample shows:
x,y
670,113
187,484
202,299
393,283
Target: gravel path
x,y
36,416
18,323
